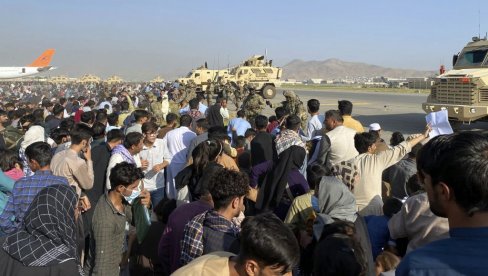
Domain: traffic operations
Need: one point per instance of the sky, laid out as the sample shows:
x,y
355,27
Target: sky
x,y
139,40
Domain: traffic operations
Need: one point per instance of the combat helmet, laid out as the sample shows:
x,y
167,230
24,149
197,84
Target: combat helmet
x,y
289,94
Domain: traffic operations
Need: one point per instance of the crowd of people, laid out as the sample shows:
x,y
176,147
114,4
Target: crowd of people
x,y
111,180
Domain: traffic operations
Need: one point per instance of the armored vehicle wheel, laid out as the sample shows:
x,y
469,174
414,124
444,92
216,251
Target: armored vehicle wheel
x,y
269,91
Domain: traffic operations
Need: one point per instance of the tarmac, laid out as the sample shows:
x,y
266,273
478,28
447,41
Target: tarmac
x,y
392,110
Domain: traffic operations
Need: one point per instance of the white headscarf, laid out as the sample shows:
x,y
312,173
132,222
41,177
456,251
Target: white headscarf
x,y
34,134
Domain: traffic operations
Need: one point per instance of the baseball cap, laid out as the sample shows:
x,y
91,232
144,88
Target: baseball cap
x,y
374,126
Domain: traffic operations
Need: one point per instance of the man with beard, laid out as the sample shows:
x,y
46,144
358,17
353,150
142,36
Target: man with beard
x,y
454,171
337,144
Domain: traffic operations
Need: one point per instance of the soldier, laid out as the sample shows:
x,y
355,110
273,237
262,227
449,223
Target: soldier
x,y
245,89
294,106
227,90
253,105
208,91
199,90
180,92
156,107
218,88
238,93
191,90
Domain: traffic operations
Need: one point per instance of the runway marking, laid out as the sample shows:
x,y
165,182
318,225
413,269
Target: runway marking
x,y
335,104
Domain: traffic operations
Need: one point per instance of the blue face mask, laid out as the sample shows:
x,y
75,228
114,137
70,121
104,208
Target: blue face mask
x,y
133,195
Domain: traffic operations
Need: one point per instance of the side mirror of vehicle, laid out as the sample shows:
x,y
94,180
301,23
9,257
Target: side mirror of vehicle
x,y
454,59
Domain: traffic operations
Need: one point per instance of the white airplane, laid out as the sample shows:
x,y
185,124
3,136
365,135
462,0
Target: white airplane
x,y
41,64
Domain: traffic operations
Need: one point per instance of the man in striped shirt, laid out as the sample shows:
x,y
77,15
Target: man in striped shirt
x,y
25,189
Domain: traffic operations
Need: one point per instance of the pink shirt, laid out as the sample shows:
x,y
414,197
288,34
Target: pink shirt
x,y
15,174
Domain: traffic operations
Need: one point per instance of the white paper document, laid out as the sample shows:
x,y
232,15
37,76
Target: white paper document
x,y
439,123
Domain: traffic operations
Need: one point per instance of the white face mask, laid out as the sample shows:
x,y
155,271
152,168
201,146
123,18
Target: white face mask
x,y
134,194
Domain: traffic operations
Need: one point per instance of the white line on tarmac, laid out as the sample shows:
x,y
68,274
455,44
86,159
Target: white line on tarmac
x,y
360,103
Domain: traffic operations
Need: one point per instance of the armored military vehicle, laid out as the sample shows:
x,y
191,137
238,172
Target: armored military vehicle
x,y
259,73
463,91
202,75
256,72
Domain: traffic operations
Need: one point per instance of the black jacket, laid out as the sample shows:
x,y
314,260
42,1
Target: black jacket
x,y
214,117
262,148
101,157
11,266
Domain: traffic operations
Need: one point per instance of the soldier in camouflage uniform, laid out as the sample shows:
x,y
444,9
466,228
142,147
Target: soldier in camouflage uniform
x,y
245,89
208,91
156,107
191,90
238,93
294,106
253,105
218,88
228,90
178,94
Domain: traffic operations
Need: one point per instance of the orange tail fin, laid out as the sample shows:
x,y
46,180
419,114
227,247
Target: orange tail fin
x,y
44,59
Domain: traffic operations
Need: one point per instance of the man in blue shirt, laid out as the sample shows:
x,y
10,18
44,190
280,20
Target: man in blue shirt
x,y
201,107
238,125
25,189
454,170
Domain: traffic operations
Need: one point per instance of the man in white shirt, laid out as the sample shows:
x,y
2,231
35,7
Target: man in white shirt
x,y
155,151
127,152
178,142
224,111
106,102
371,166
337,144
314,125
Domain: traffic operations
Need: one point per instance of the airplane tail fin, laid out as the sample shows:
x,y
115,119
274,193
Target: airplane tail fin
x,y
44,59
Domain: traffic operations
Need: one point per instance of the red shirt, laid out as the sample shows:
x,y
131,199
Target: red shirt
x,y
272,126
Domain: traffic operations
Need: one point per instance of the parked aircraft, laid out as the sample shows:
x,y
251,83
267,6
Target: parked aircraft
x,y
41,64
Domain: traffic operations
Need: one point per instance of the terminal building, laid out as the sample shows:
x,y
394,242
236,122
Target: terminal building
x,y
420,83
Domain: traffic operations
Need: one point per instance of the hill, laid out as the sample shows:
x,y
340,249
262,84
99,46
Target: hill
x,y
339,69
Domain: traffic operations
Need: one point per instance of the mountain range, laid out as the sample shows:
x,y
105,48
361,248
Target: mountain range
x,y
338,69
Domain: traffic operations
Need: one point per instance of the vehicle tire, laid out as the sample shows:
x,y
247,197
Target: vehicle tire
x,y
269,91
